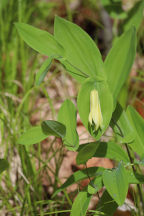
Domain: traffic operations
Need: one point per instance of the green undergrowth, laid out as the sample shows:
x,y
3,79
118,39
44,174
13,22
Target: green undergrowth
x,y
27,167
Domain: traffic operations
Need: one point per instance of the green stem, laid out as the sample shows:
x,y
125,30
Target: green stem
x,y
68,10
115,28
19,10
61,211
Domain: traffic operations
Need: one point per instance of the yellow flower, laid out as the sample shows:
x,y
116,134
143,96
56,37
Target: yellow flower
x,y
95,116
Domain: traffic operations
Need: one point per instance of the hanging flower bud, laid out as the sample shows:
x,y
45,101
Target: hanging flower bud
x,y
95,115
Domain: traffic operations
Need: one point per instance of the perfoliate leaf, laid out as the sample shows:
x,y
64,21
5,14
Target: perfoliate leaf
x,y
67,116
127,139
106,104
123,95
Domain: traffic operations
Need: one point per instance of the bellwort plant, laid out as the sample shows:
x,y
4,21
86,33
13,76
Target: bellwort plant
x,y
98,107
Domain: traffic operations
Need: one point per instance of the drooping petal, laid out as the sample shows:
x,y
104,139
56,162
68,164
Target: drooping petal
x,y
95,115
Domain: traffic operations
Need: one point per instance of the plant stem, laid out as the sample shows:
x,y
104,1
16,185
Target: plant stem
x,y
68,10
19,10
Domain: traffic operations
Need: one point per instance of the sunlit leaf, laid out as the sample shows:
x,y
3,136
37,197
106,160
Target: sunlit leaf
x,y
137,123
128,126
67,116
80,205
82,55
32,136
116,183
135,178
119,61
40,40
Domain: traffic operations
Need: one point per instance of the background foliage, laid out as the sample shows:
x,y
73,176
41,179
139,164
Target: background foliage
x,y
30,179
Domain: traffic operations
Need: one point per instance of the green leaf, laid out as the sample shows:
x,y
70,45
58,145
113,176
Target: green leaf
x,y
135,16
95,185
134,178
86,153
123,95
131,125
80,175
73,70
119,61
3,165
116,183
112,151
137,123
80,205
39,40
32,136
127,139
109,150
67,116
122,127
82,55
107,205
53,128
43,71
106,103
